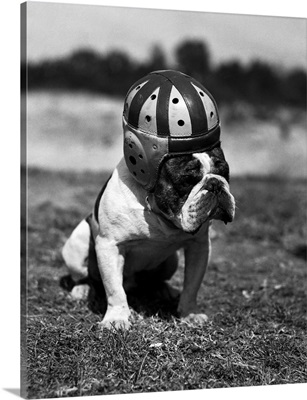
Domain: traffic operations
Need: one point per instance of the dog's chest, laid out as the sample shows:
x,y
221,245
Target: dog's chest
x,y
146,242
147,254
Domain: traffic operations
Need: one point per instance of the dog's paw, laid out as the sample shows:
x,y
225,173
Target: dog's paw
x,y
196,319
116,319
112,324
80,292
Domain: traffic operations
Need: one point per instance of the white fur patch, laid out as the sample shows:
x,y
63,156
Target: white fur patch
x,y
205,161
196,209
75,251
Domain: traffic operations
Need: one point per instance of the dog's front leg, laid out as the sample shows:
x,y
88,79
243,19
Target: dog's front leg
x,y
196,260
111,264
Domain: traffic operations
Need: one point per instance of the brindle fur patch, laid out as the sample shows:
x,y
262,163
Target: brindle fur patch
x,y
173,188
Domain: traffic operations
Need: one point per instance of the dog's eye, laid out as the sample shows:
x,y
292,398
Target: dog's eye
x,y
192,166
218,162
220,167
183,165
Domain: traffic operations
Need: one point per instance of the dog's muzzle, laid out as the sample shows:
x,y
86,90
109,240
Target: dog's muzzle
x,y
209,199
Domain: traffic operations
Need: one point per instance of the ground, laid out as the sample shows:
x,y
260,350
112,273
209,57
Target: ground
x,y
254,293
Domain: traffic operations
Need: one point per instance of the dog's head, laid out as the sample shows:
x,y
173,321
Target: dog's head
x,y
192,189
172,149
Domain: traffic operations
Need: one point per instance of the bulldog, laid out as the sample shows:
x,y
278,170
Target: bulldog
x,y
137,232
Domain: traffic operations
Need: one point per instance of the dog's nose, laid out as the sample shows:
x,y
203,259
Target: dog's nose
x,y
213,185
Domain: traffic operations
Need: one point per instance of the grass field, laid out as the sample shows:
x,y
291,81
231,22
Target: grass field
x,y
254,293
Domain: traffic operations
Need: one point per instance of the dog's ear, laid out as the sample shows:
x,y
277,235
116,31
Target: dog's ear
x,y
177,176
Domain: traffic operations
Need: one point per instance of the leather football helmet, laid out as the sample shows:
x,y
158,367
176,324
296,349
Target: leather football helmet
x,y
166,113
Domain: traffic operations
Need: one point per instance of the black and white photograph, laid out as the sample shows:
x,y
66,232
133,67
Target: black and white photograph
x,y
163,200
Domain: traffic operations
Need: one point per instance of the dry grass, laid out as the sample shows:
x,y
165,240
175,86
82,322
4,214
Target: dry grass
x,y
254,293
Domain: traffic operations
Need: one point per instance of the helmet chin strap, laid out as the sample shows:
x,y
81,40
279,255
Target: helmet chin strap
x,y
148,204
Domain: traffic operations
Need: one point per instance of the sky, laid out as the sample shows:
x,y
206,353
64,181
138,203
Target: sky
x,y
55,30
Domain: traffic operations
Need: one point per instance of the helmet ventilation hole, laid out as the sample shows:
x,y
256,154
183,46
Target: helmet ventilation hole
x,y
148,118
140,156
180,122
132,160
211,114
134,173
201,93
130,145
153,96
175,100
143,172
138,87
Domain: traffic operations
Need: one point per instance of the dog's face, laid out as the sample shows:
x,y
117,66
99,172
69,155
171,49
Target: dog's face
x,y
192,189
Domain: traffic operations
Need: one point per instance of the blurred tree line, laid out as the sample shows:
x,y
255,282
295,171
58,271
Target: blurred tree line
x,y
257,83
